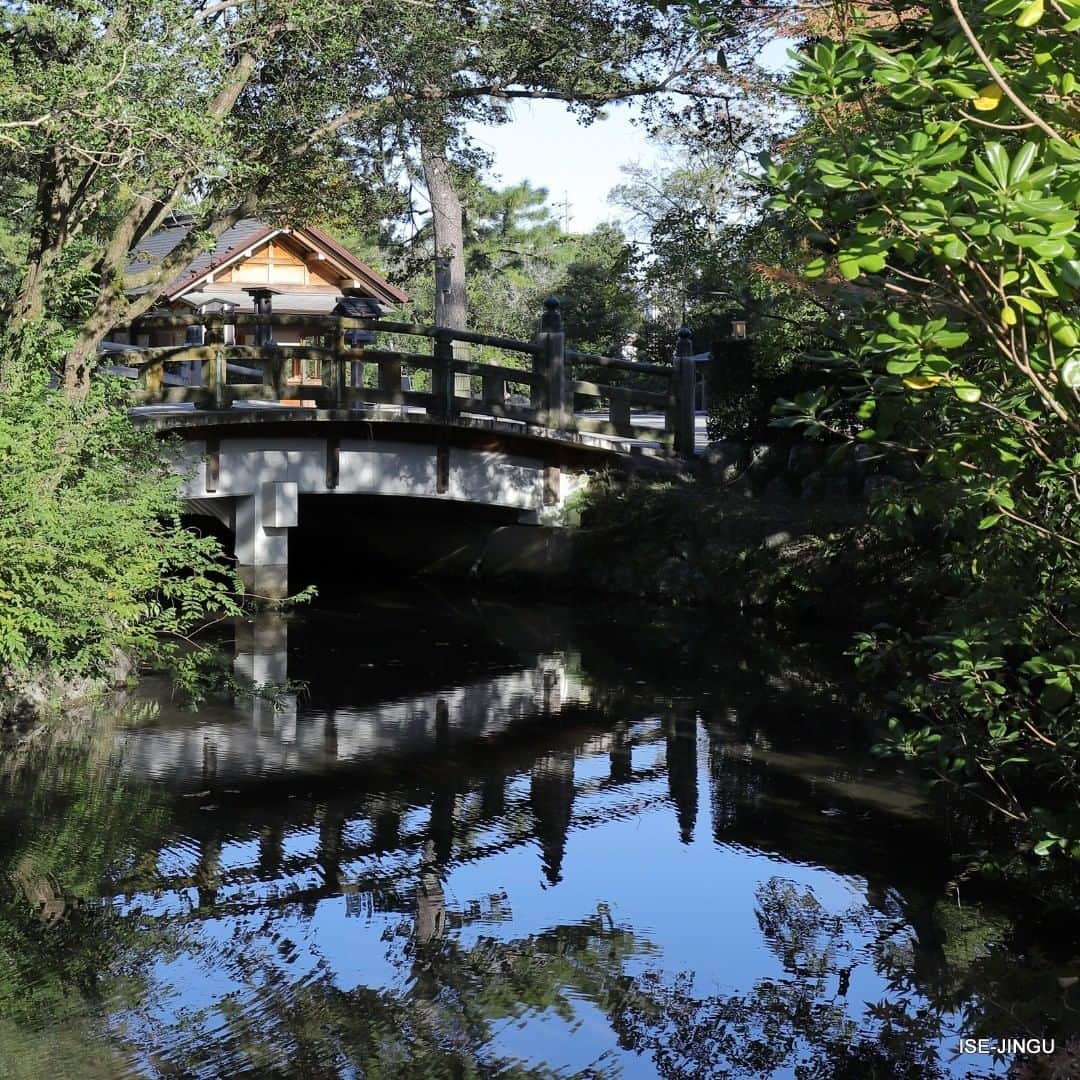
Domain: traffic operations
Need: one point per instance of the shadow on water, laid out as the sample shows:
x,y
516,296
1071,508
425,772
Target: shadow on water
x,y
482,841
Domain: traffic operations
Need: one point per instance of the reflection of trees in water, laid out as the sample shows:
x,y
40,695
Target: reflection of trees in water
x,y
798,1021
441,1024
388,845
70,830
453,998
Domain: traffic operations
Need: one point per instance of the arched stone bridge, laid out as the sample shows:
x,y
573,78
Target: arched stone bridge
x,y
473,419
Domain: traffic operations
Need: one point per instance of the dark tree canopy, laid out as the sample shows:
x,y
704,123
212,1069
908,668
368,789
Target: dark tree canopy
x,y
116,114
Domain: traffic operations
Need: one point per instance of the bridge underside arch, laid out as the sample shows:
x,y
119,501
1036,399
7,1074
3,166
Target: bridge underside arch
x,y
255,475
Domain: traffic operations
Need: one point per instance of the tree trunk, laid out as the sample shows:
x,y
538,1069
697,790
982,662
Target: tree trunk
x,y
451,303
48,237
447,221
82,358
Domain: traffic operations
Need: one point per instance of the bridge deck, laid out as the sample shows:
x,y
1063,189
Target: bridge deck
x,y
186,419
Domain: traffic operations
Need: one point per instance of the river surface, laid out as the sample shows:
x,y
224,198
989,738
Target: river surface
x,y
497,839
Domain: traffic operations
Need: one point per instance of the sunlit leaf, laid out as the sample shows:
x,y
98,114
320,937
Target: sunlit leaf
x,y
1031,14
923,382
989,98
966,391
1021,163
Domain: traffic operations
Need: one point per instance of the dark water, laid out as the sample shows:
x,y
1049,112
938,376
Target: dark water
x,y
482,841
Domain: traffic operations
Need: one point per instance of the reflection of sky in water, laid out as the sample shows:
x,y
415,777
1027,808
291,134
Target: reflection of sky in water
x,y
613,843
691,907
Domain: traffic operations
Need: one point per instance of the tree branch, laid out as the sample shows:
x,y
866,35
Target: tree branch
x,y
1006,89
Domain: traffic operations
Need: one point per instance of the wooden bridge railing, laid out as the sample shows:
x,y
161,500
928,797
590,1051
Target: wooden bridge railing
x,y
230,373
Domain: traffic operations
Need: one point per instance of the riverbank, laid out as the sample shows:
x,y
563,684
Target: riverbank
x,y
40,696
709,545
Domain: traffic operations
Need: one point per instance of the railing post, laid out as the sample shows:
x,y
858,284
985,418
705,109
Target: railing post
x,y
619,410
334,378
442,377
274,374
551,364
221,376
216,368
684,430
494,390
152,376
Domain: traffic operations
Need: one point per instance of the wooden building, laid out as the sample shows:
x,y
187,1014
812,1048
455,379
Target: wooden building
x,y
259,268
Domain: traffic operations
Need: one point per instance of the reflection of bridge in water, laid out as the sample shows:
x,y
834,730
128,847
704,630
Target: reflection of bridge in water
x,y
379,801
276,741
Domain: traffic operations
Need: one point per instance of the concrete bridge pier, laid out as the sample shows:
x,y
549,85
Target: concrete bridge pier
x,y
262,523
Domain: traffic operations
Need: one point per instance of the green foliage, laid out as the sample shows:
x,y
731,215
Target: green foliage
x,y
943,214
695,544
600,300
715,256
115,114
93,560
516,254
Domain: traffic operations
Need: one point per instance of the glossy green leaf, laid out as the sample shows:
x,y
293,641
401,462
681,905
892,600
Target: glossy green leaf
x,y
958,89
950,339
901,366
1045,284
937,183
1070,272
1022,162
849,266
1057,693
1031,14
1050,248
999,163
1064,333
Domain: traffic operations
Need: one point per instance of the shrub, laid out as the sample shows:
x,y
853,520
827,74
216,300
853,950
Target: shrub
x,y
94,562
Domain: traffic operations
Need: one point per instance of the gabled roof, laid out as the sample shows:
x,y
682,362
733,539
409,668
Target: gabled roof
x,y
244,235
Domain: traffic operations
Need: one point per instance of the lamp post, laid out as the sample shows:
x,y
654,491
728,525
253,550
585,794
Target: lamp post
x,y
263,300
219,311
212,332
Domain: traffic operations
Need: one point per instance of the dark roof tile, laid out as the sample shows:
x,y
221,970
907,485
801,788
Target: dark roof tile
x,y
155,247
248,231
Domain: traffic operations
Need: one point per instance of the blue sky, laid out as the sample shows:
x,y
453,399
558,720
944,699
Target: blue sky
x,y
544,144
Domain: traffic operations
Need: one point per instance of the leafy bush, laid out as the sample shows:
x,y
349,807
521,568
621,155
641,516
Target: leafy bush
x,y
742,395
941,204
94,563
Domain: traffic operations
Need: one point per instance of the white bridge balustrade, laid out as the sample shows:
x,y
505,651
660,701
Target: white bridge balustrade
x,y
263,426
